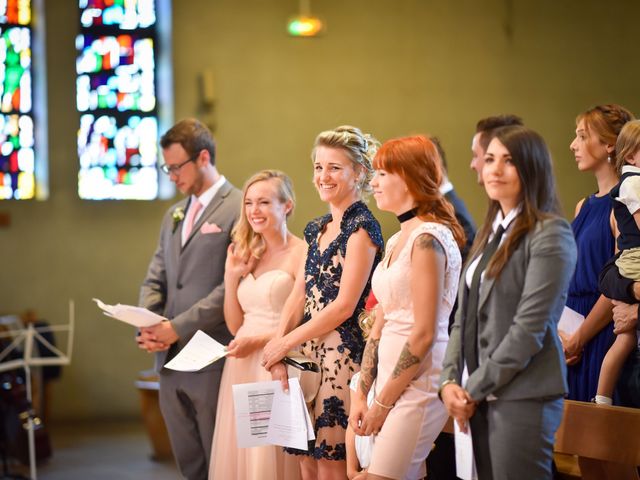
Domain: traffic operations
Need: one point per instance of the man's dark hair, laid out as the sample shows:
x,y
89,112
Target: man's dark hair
x,y
486,126
193,136
436,141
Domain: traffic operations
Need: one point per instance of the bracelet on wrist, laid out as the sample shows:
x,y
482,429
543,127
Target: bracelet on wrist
x,y
382,405
444,384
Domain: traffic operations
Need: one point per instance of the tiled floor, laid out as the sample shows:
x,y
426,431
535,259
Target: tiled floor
x,y
101,451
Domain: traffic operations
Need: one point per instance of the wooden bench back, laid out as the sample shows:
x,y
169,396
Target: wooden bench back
x,y
600,432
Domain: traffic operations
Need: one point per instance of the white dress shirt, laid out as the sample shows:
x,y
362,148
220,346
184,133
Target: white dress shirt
x,y
507,224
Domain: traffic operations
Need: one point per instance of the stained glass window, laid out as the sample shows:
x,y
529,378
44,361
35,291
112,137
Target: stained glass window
x,y
116,96
17,157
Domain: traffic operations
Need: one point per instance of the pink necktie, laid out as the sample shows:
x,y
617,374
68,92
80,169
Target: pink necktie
x,y
194,208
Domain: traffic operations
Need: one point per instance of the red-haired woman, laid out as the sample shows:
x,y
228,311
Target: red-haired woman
x,y
416,285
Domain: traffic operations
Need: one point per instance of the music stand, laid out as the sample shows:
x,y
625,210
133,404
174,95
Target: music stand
x,y
24,340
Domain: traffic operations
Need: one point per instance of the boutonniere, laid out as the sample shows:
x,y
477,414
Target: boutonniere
x,y
177,216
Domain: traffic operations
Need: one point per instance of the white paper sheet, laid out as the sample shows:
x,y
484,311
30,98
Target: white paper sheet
x,y
310,433
136,316
465,463
200,351
265,415
569,321
288,425
252,404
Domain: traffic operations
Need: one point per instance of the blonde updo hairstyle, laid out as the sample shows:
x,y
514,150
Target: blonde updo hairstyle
x,y
359,147
246,242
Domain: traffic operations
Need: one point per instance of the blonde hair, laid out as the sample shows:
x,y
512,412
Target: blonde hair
x,y
628,143
246,242
359,147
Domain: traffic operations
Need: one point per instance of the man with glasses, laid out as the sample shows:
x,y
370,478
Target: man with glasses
x,y
184,283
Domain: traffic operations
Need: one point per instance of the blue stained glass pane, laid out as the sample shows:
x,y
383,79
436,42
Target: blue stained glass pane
x,y
17,155
129,15
123,70
118,158
17,160
116,92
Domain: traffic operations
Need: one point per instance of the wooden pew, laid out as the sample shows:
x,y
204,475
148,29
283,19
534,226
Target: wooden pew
x,y
605,439
148,386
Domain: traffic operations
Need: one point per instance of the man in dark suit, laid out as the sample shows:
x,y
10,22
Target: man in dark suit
x,y
184,283
462,214
441,460
482,137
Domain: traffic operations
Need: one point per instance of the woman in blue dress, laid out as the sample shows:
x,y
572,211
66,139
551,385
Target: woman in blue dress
x,y
321,313
595,231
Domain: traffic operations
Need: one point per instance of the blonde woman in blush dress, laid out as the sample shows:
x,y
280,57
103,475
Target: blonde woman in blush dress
x,y
260,271
416,285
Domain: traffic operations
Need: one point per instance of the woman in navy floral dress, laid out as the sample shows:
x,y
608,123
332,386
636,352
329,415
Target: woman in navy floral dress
x,y
344,247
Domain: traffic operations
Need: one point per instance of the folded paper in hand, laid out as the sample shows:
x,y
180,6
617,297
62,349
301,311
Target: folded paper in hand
x,y
570,321
200,351
266,415
136,316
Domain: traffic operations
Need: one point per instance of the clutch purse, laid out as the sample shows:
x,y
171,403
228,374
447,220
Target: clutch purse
x,y
306,371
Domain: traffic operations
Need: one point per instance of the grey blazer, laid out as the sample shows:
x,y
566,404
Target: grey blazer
x,y
518,346
185,284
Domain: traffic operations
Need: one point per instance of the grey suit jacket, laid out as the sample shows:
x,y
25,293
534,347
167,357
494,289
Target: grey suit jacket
x,y
518,346
185,284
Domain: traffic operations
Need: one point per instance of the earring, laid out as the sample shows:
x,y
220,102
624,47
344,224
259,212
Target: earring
x,y
609,158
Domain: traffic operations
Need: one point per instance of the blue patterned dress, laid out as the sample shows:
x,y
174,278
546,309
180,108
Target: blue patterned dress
x,y
338,352
592,230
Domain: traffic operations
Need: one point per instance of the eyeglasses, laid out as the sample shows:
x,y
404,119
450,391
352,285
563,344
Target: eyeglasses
x,y
176,168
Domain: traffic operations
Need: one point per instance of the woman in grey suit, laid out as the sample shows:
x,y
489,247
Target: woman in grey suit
x,y
504,371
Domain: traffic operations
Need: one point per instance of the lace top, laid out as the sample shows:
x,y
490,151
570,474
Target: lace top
x,y
323,270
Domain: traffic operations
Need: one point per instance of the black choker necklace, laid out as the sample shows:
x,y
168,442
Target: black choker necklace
x,y
408,215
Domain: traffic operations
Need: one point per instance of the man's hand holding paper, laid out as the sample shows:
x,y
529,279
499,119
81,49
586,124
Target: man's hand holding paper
x,y
163,333
146,341
136,316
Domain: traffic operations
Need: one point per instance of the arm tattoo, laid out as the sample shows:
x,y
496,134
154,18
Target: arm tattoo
x,y
406,360
369,370
428,242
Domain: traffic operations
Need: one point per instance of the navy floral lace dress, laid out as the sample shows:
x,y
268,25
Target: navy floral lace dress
x,y
338,352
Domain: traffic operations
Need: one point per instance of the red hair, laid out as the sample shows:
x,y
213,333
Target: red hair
x,y
417,161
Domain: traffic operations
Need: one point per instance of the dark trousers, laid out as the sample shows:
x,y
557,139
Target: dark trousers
x,y
514,438
441,462
188,402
